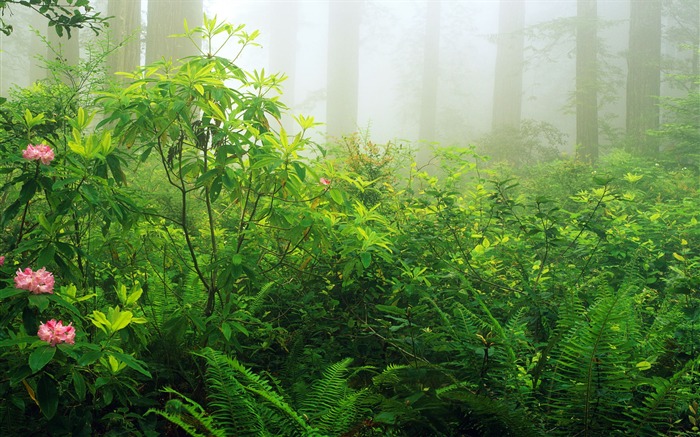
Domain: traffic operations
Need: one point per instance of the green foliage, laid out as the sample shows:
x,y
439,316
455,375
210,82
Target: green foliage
x,y
187,227
76,14
244,403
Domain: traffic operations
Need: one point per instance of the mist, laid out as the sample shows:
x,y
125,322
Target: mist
x,y
420,72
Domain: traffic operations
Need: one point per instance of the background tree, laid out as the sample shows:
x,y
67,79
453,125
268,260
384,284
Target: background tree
x,y
643,76
508,87
124,27
587,80
166,18
343,74
284,43
431,68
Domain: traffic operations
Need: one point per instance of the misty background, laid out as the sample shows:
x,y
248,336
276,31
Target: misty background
x,y
406,71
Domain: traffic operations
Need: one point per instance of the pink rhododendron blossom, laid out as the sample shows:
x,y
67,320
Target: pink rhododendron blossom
x,y
37,282
54,332
40,152
2,260
325,181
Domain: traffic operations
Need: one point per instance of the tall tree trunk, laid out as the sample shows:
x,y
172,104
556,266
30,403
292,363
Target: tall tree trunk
x,y
508,86
587,80
165,18
431,68
284,44
343,72
643,76
125,27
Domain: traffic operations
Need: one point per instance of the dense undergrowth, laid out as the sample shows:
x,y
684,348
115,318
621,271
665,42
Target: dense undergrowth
x,y
222,278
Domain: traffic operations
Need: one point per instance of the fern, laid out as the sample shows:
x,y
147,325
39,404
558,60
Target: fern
x,y
656,414
331,404
259,298
489,416
188,415
590,377
244,403
234,393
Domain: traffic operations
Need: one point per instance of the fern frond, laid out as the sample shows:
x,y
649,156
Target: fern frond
x,y
230,404
331,405
188,415
235,393
591,377
656,414
491,417
259,298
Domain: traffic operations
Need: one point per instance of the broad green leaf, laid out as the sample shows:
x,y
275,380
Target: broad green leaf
x,y
47,396
9,292
120,319
643,365
366,258
79,384
133,363
40,357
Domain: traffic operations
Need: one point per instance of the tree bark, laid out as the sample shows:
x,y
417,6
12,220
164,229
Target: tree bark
x,y
125,26
343,71
643,76
431,68
587,80
165,18
508,86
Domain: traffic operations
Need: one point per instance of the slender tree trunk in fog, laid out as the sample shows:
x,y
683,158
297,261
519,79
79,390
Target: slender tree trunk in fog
x,y
431,58
508,87
587,80
124,25
166,17
643,76
343,72
284,44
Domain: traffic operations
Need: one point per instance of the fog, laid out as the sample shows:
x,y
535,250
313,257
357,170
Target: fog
x,y
396,90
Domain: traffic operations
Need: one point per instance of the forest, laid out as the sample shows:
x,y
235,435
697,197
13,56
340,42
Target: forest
x,y
185,252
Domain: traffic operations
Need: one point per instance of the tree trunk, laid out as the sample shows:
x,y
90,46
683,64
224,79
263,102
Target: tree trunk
x,y
125,26
284,44
431,59
343,73
643,76
508,86
587,81
165,18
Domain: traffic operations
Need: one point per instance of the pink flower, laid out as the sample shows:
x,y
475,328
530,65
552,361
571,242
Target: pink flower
x,y
54,332
40,152
2,260
37,282
325,181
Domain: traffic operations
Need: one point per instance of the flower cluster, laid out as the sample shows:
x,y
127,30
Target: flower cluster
x,y
54,332
324,181
40,152
2,260
37,282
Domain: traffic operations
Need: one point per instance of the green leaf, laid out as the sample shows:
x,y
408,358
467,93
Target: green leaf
x,y
643,365
9,292
366,258
336,195
79,384
40,357
47,395
133,363
391,309
120,320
